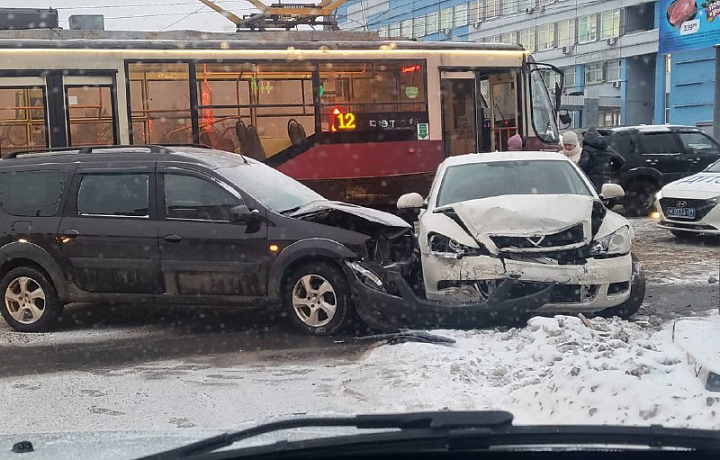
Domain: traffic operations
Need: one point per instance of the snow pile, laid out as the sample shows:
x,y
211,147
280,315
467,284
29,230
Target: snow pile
x,y
557,370
554,371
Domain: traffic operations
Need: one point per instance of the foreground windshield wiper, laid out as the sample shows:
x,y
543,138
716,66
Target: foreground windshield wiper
x,y
413,421
441,432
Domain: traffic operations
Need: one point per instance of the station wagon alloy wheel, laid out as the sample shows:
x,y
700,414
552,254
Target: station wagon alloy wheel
x,y
25,300
314,300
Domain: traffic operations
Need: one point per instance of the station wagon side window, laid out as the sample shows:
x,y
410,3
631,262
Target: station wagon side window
x,y
32,193
194,198
116,195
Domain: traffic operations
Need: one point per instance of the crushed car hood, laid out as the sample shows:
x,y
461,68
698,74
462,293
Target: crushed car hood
x,y
351,217
524,215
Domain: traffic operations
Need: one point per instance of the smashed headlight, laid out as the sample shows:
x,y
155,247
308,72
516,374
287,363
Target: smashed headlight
x,y
444,246
616,243
367,276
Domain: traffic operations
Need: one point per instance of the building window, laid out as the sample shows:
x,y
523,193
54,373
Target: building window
x,y
566,33
524,5
609,117
394,30
509,7
546,37
527,39
492,8
419,27
446,19
593,73
610,21
475,12
432,22
383,32
461,15
570,79
407,28
508,37
667,107
587,28
612,70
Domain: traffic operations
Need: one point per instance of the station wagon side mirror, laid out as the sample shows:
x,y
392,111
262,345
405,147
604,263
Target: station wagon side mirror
x,y
611,191
241,214
411,201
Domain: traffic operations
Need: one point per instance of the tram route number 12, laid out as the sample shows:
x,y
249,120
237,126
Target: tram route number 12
x,y
342,121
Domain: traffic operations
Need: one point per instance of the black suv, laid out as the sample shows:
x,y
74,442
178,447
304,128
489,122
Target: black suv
x,y
130,224
655,156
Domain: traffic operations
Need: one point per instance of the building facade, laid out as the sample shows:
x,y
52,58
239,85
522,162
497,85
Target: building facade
x,y
608,51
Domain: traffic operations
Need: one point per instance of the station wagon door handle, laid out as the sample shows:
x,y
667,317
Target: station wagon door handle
x,y
172,238
71,233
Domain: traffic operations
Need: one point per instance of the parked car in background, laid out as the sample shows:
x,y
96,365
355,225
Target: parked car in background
x,y
691,206
655,156
529,216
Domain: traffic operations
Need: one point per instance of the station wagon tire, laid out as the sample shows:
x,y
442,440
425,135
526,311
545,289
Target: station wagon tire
x,y
317,299
30,302
639,198
637,294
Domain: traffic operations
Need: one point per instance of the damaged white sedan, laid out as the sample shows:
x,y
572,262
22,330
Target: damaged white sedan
x,y
528,216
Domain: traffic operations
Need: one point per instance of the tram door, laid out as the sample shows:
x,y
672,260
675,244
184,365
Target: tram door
x,y
459,114
90,108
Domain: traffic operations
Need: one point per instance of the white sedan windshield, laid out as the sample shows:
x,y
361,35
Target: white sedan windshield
x,y
484,180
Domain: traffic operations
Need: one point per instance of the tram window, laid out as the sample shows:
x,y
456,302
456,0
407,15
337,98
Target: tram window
x,y
160,103
90,115
250,107
375,96
22,119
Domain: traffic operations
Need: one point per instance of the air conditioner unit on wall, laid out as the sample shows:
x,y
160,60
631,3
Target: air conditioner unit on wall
x,y
612,41
567,49
616,84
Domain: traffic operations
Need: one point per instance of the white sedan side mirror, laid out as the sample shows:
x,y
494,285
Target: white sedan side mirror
x,y
611,191
411,201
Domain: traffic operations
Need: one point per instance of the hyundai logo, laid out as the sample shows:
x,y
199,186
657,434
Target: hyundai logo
x,y
682,204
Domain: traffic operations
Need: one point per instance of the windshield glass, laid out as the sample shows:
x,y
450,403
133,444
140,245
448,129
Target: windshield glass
x,y
274,189
543,118
484,180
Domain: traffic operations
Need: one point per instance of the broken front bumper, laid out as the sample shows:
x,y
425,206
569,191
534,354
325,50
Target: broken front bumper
x,y
380,309
605,282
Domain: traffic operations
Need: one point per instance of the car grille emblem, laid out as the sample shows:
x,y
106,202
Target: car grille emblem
x,y
682,204
536,240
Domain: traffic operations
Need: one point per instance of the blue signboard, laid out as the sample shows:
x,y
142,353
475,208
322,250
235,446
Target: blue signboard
x,y
688,24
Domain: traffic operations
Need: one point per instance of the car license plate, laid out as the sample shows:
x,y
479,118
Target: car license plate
x,y
685,213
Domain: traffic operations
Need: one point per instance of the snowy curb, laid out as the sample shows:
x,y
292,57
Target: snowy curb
x,y
702,355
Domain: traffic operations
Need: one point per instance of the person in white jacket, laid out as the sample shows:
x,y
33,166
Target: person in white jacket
x,y
571,146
